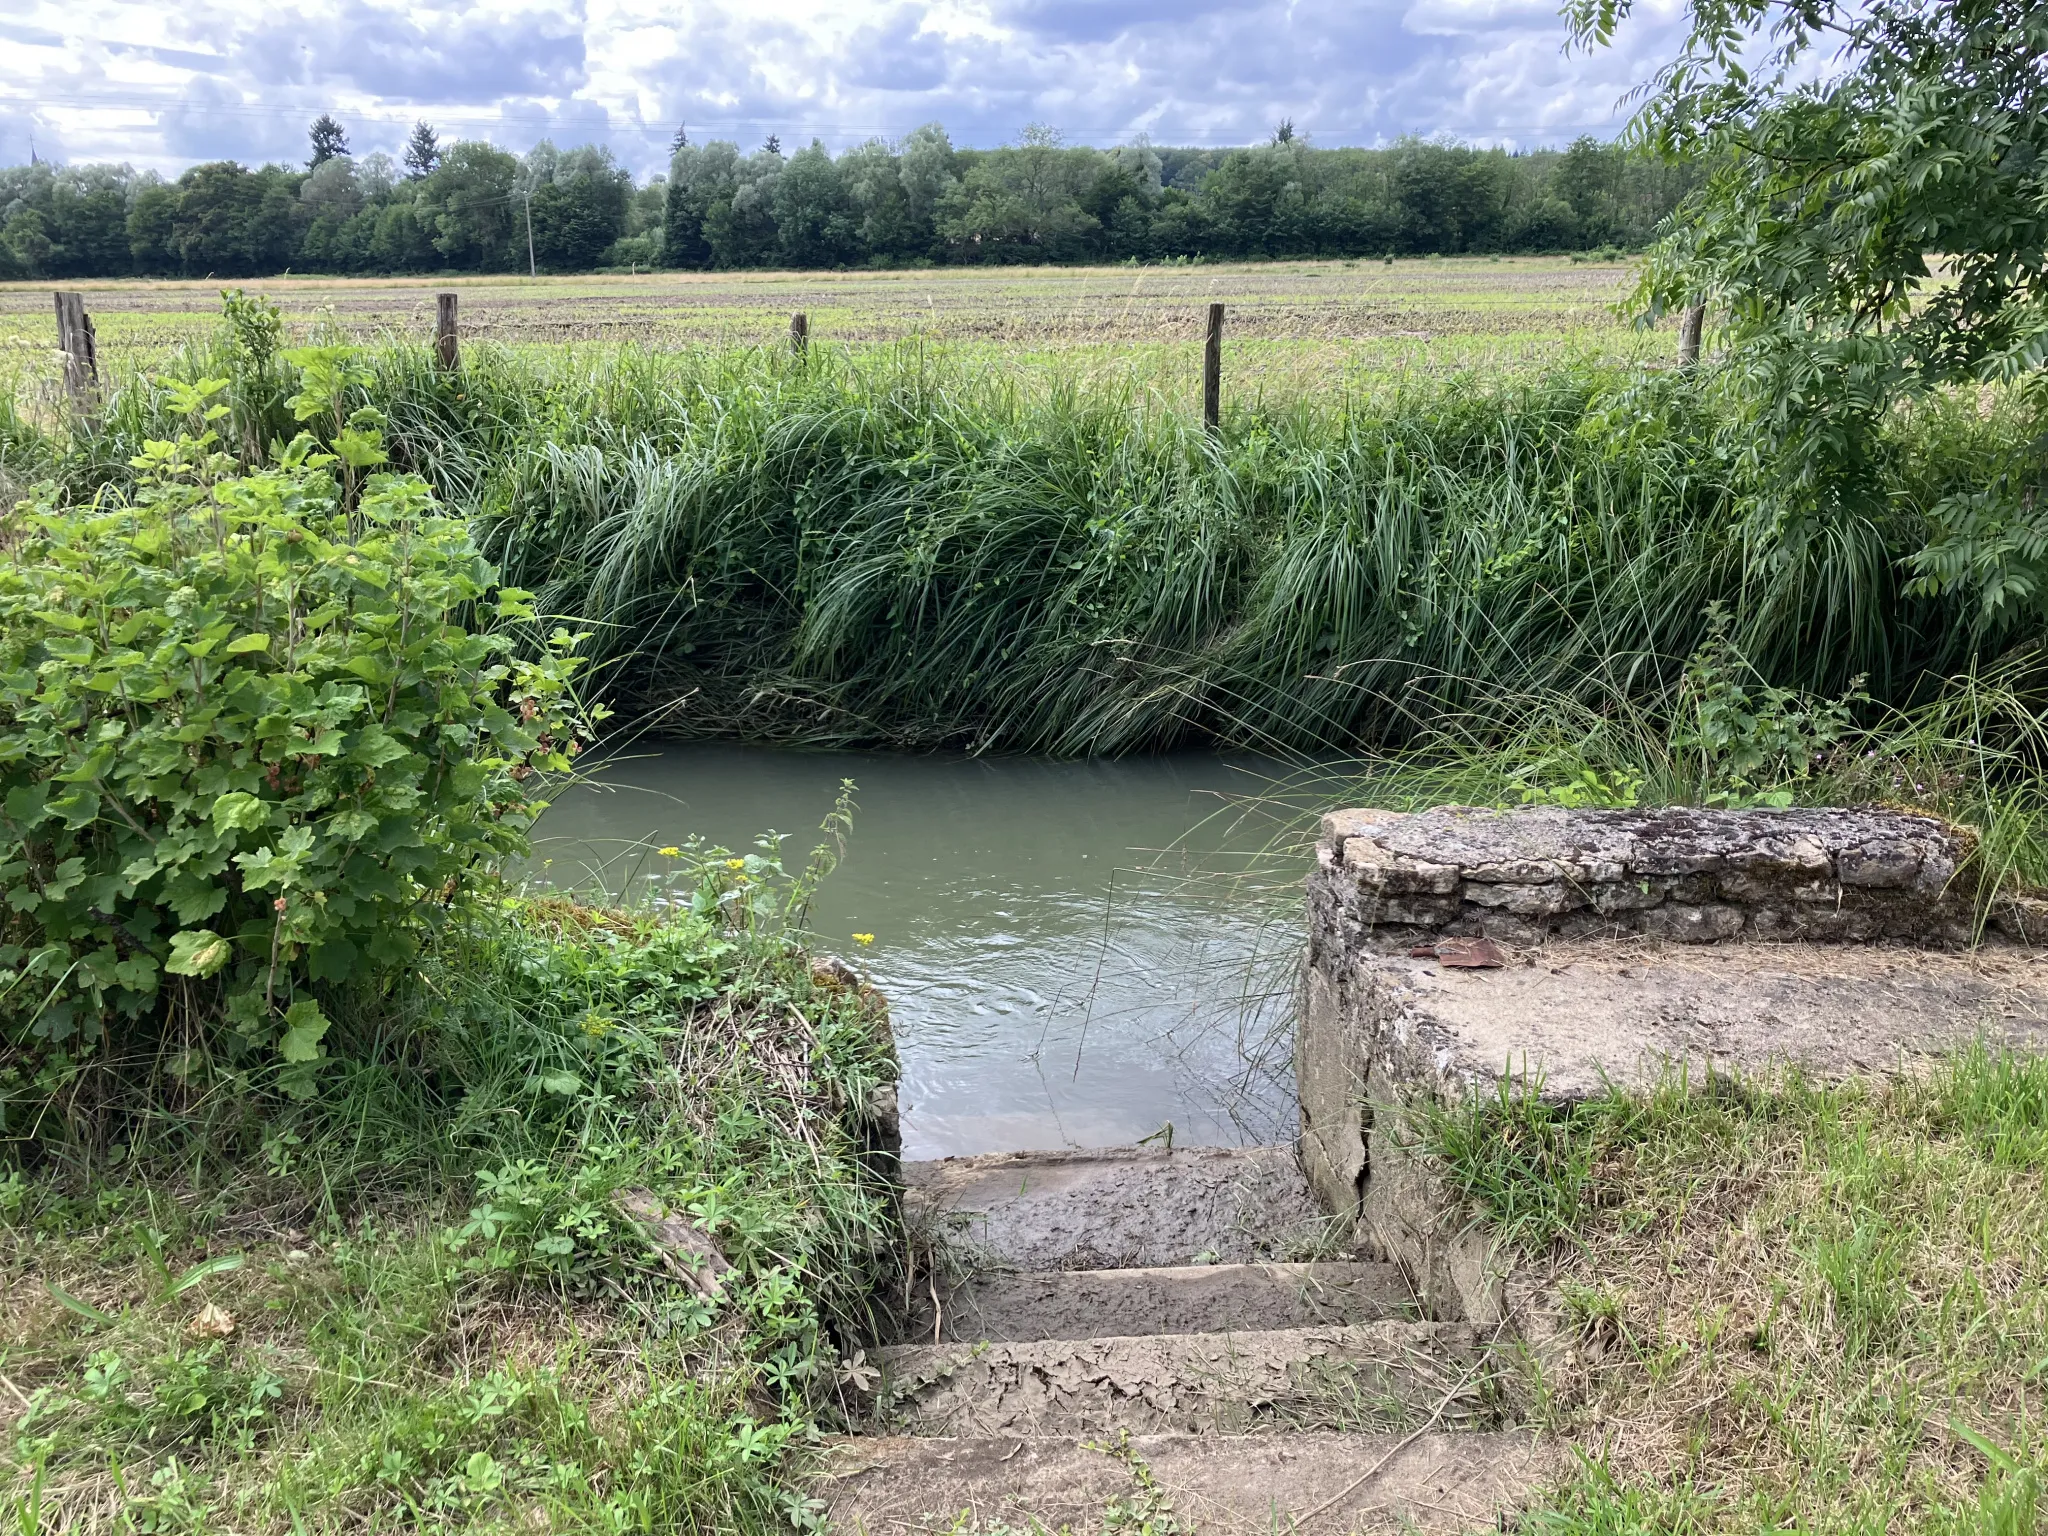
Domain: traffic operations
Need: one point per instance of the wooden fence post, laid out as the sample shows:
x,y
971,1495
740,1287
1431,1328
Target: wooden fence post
x,y
799,333
1212,370
75,339
1690,324
444,331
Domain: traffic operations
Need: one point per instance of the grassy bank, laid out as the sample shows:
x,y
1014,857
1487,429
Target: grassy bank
x,y
416,1300
912,549
1804,1308
345,1186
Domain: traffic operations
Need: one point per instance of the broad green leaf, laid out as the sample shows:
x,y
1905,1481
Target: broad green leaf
x,y
305,1026
239,812
198,952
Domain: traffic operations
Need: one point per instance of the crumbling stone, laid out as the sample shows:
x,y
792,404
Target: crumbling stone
x,y
1689,876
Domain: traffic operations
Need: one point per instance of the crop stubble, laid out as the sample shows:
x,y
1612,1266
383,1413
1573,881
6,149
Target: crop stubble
x,y
1300,323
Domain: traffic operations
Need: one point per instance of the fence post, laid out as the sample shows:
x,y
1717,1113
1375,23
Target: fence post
x,y
75,339
444,331
1212,370
799,333
1690,324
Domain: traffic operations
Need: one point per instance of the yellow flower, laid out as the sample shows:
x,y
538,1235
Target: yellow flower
x,y
863,938
670,852
735,863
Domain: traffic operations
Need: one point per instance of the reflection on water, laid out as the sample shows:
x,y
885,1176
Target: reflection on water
x,y
1064,967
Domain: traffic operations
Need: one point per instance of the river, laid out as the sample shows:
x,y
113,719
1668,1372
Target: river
x,y
1073,952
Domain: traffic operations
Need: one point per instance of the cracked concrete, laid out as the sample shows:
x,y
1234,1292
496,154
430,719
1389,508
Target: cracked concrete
x,y
1306,1483
1119,1208
1193,1298
1390,1372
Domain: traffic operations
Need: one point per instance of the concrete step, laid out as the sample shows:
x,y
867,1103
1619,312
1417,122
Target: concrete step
x,y
1305,1484
1377,1374
1120,1208
1212,1298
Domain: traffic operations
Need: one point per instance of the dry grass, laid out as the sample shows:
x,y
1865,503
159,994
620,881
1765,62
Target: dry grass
x,y
1299,325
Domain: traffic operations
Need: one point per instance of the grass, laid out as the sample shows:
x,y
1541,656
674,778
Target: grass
x,y
1298,321
414,1301
1803,1307
912,549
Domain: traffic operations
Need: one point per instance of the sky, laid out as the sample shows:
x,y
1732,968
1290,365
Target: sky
x,y
163,86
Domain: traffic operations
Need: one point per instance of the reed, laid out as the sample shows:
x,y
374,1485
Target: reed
x,y
910,547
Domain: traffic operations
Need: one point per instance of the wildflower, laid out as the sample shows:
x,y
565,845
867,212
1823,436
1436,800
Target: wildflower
x,y
863,938
670,852
735,863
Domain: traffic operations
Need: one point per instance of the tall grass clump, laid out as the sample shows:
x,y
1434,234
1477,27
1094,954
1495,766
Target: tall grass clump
x,y
902,547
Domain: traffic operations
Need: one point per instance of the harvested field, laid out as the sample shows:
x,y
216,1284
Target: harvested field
x,y
1299,321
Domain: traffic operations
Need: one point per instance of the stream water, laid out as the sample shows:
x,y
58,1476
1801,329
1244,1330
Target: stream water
x,y
1072,951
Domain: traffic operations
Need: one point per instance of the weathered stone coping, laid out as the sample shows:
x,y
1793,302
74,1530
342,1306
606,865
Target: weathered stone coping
x,y
1625,946
1386,880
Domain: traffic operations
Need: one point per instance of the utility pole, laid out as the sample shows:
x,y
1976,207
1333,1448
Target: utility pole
x,y
531,270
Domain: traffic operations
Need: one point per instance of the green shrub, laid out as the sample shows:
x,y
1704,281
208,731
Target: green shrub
x,y
250,738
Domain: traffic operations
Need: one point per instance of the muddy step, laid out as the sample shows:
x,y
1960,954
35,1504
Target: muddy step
x,y
1122,1208
1307,1484
1212,1298
1370,1374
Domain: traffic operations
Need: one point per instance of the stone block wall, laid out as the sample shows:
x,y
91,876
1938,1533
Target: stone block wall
x,y
1390,1021
1386,880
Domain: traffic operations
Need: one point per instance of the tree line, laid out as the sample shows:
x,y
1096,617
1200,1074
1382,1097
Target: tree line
x,y
469,206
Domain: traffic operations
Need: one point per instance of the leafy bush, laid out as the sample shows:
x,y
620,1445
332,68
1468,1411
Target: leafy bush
x,y
251,739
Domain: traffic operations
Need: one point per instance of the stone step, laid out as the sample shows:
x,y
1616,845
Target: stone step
x,y
1119,1208
1307,1483
1378,1374
1212,1298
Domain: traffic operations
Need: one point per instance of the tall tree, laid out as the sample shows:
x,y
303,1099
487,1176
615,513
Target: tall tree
x,y
422,150
1871,236
328,139
579,205
701,178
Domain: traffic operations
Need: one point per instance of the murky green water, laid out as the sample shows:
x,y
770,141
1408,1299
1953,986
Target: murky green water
x,y
1067,961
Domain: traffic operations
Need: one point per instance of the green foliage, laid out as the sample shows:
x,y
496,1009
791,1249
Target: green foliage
x,y
1753,743
906,551
919,199
1871,237
466,1328
249,740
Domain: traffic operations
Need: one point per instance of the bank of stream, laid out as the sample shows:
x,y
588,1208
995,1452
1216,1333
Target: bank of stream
x,y
1074,952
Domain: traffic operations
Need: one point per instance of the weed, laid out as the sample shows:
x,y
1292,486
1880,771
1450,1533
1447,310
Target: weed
x,y
1812,1306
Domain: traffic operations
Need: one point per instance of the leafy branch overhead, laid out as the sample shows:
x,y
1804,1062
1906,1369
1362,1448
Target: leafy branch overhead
x,y
1876,228
249,737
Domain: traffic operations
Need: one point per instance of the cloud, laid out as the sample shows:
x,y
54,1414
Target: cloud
x,y
120,79
445,56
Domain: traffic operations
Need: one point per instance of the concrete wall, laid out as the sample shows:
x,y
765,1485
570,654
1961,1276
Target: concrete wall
x,y
1623,944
